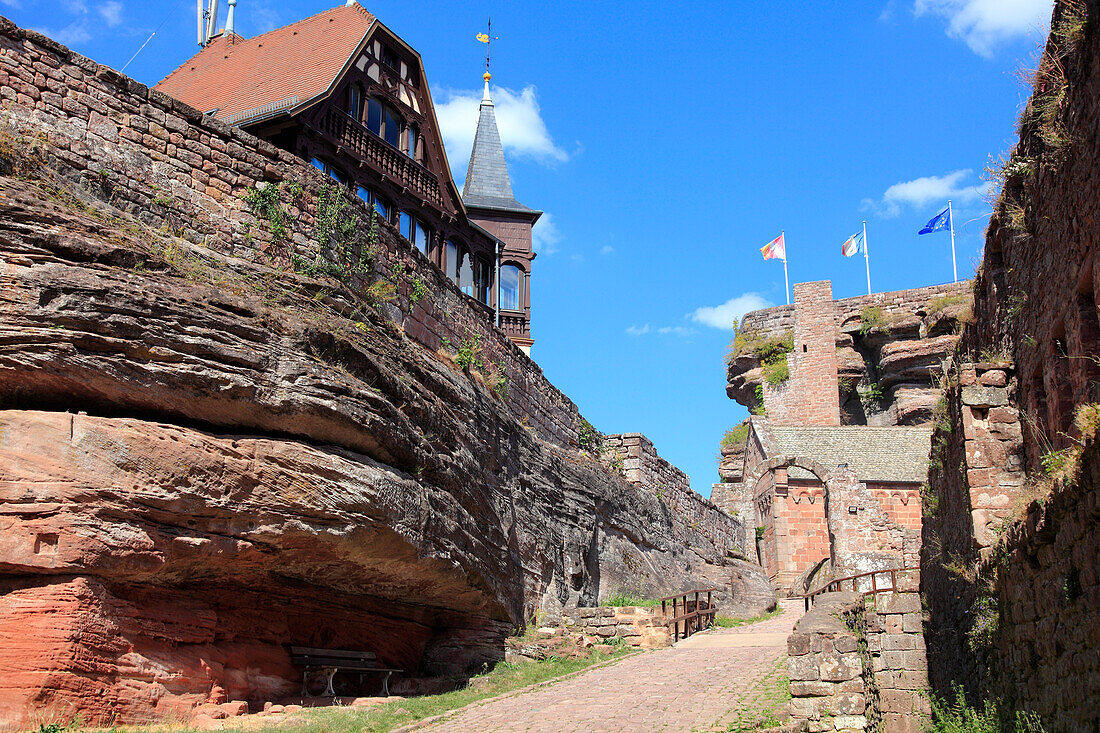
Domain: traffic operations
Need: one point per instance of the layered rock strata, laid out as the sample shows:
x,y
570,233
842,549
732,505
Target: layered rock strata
x,y
207,456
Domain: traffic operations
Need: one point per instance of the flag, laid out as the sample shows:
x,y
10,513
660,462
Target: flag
x,y
853,245
775,249
940,222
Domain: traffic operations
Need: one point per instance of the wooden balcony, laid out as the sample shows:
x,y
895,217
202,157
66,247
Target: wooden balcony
x,y
355,138
513,325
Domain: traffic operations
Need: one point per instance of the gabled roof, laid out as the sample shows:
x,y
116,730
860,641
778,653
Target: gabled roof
x,y
301,60
488,185
886,454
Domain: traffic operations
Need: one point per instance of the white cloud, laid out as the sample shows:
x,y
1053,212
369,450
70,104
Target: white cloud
x,y
607,249
727,314
545,236
11,3
111,12
983,24
70,35
921,192
676,330
638,330
523,132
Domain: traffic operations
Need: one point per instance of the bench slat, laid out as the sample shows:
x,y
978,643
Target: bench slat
x,y
340,653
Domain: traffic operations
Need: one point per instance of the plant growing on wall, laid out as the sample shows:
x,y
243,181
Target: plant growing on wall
x,y
738,435
344,250
589,438
264,202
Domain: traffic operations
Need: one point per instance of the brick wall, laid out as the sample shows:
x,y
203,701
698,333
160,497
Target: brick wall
x,y
144,153
801,529
809,396
695,515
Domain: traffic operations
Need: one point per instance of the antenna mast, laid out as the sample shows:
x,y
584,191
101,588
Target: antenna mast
x,y
208,20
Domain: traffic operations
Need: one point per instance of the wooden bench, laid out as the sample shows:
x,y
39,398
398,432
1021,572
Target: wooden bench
x,y
331,661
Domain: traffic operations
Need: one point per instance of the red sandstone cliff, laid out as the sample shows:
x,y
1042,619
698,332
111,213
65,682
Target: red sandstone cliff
x,y
206,456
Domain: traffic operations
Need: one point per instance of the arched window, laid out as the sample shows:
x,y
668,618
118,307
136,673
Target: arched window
x,y
355,102
412,141
466,274
450,264
374,116
511,288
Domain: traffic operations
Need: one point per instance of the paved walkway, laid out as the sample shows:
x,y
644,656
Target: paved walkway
x,y
696,685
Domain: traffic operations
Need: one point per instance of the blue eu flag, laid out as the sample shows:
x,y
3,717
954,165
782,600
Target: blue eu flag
x,y
940,222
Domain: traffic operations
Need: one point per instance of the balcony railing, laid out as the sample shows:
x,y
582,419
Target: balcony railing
x,y
363,143
513,325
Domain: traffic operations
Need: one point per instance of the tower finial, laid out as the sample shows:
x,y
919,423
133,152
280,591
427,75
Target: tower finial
x,y
487,38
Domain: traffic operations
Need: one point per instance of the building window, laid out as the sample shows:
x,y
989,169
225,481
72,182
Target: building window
x,y
318,164
374,116
466,275
384,121
326,167
389,58
412,139
484,276
376,201
416,232
355,102
511,288
450,264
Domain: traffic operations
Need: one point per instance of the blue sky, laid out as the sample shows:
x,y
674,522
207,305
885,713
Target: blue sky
x,y
668,144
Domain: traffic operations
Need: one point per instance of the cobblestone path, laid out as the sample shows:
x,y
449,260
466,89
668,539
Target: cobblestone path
x,y
701,684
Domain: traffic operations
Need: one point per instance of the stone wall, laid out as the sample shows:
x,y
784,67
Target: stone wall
x,y
166,163
638,626
858,662
696,516
1013,529
898,357
809,395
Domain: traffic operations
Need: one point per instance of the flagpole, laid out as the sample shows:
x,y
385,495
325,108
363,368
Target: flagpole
x,y
786,282
866,257
951,220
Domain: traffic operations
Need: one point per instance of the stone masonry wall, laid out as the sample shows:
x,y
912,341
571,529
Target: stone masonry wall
x,y
809,396
638,626
1009,565
858,663
164,162
898,359
696,515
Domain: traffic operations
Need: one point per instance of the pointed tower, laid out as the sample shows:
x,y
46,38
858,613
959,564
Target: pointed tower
x,y
491,205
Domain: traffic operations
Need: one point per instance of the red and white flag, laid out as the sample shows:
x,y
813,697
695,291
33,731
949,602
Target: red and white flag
x,y
775,249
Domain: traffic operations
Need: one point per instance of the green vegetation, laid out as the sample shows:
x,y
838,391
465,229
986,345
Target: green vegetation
x,y
497,380
941,303
777,372
589,438
760,532
419,290
468,355
874,395
872,317
728,622
627,598
958,716
343,252
736,436
21,157
264,203
763,704
767,349
757,407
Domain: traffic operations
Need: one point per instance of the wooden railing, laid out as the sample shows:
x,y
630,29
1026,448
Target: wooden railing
x,y
359,140
689,609
513,325
853,581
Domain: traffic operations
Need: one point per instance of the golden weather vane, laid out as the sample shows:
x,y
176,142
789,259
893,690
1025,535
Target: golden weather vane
x,y
487,39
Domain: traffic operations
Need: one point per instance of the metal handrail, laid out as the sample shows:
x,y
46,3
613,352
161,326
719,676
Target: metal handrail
x,y
835,585
694,619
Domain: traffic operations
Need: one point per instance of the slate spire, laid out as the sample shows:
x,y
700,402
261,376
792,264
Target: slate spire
x,y
488,185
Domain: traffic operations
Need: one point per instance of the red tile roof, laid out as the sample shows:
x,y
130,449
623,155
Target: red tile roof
x,y
301,60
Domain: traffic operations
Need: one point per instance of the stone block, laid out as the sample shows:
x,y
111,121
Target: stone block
x,y
805,708
984,396
803,668
912,623
899,603
897,642
993,378
846,643
850,722
851,703
901,723
840,667
798,644
811,688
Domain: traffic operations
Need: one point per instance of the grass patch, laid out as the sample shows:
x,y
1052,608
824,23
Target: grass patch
x,y
621,599
872,317
728,622
505,677
943,302
767,349
958,716
736,436
777,372
764,705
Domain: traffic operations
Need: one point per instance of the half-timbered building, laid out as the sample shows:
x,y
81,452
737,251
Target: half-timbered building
x,y
344,92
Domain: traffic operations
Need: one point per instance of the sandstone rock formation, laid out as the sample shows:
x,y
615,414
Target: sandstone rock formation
x,y
206,456
889,350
